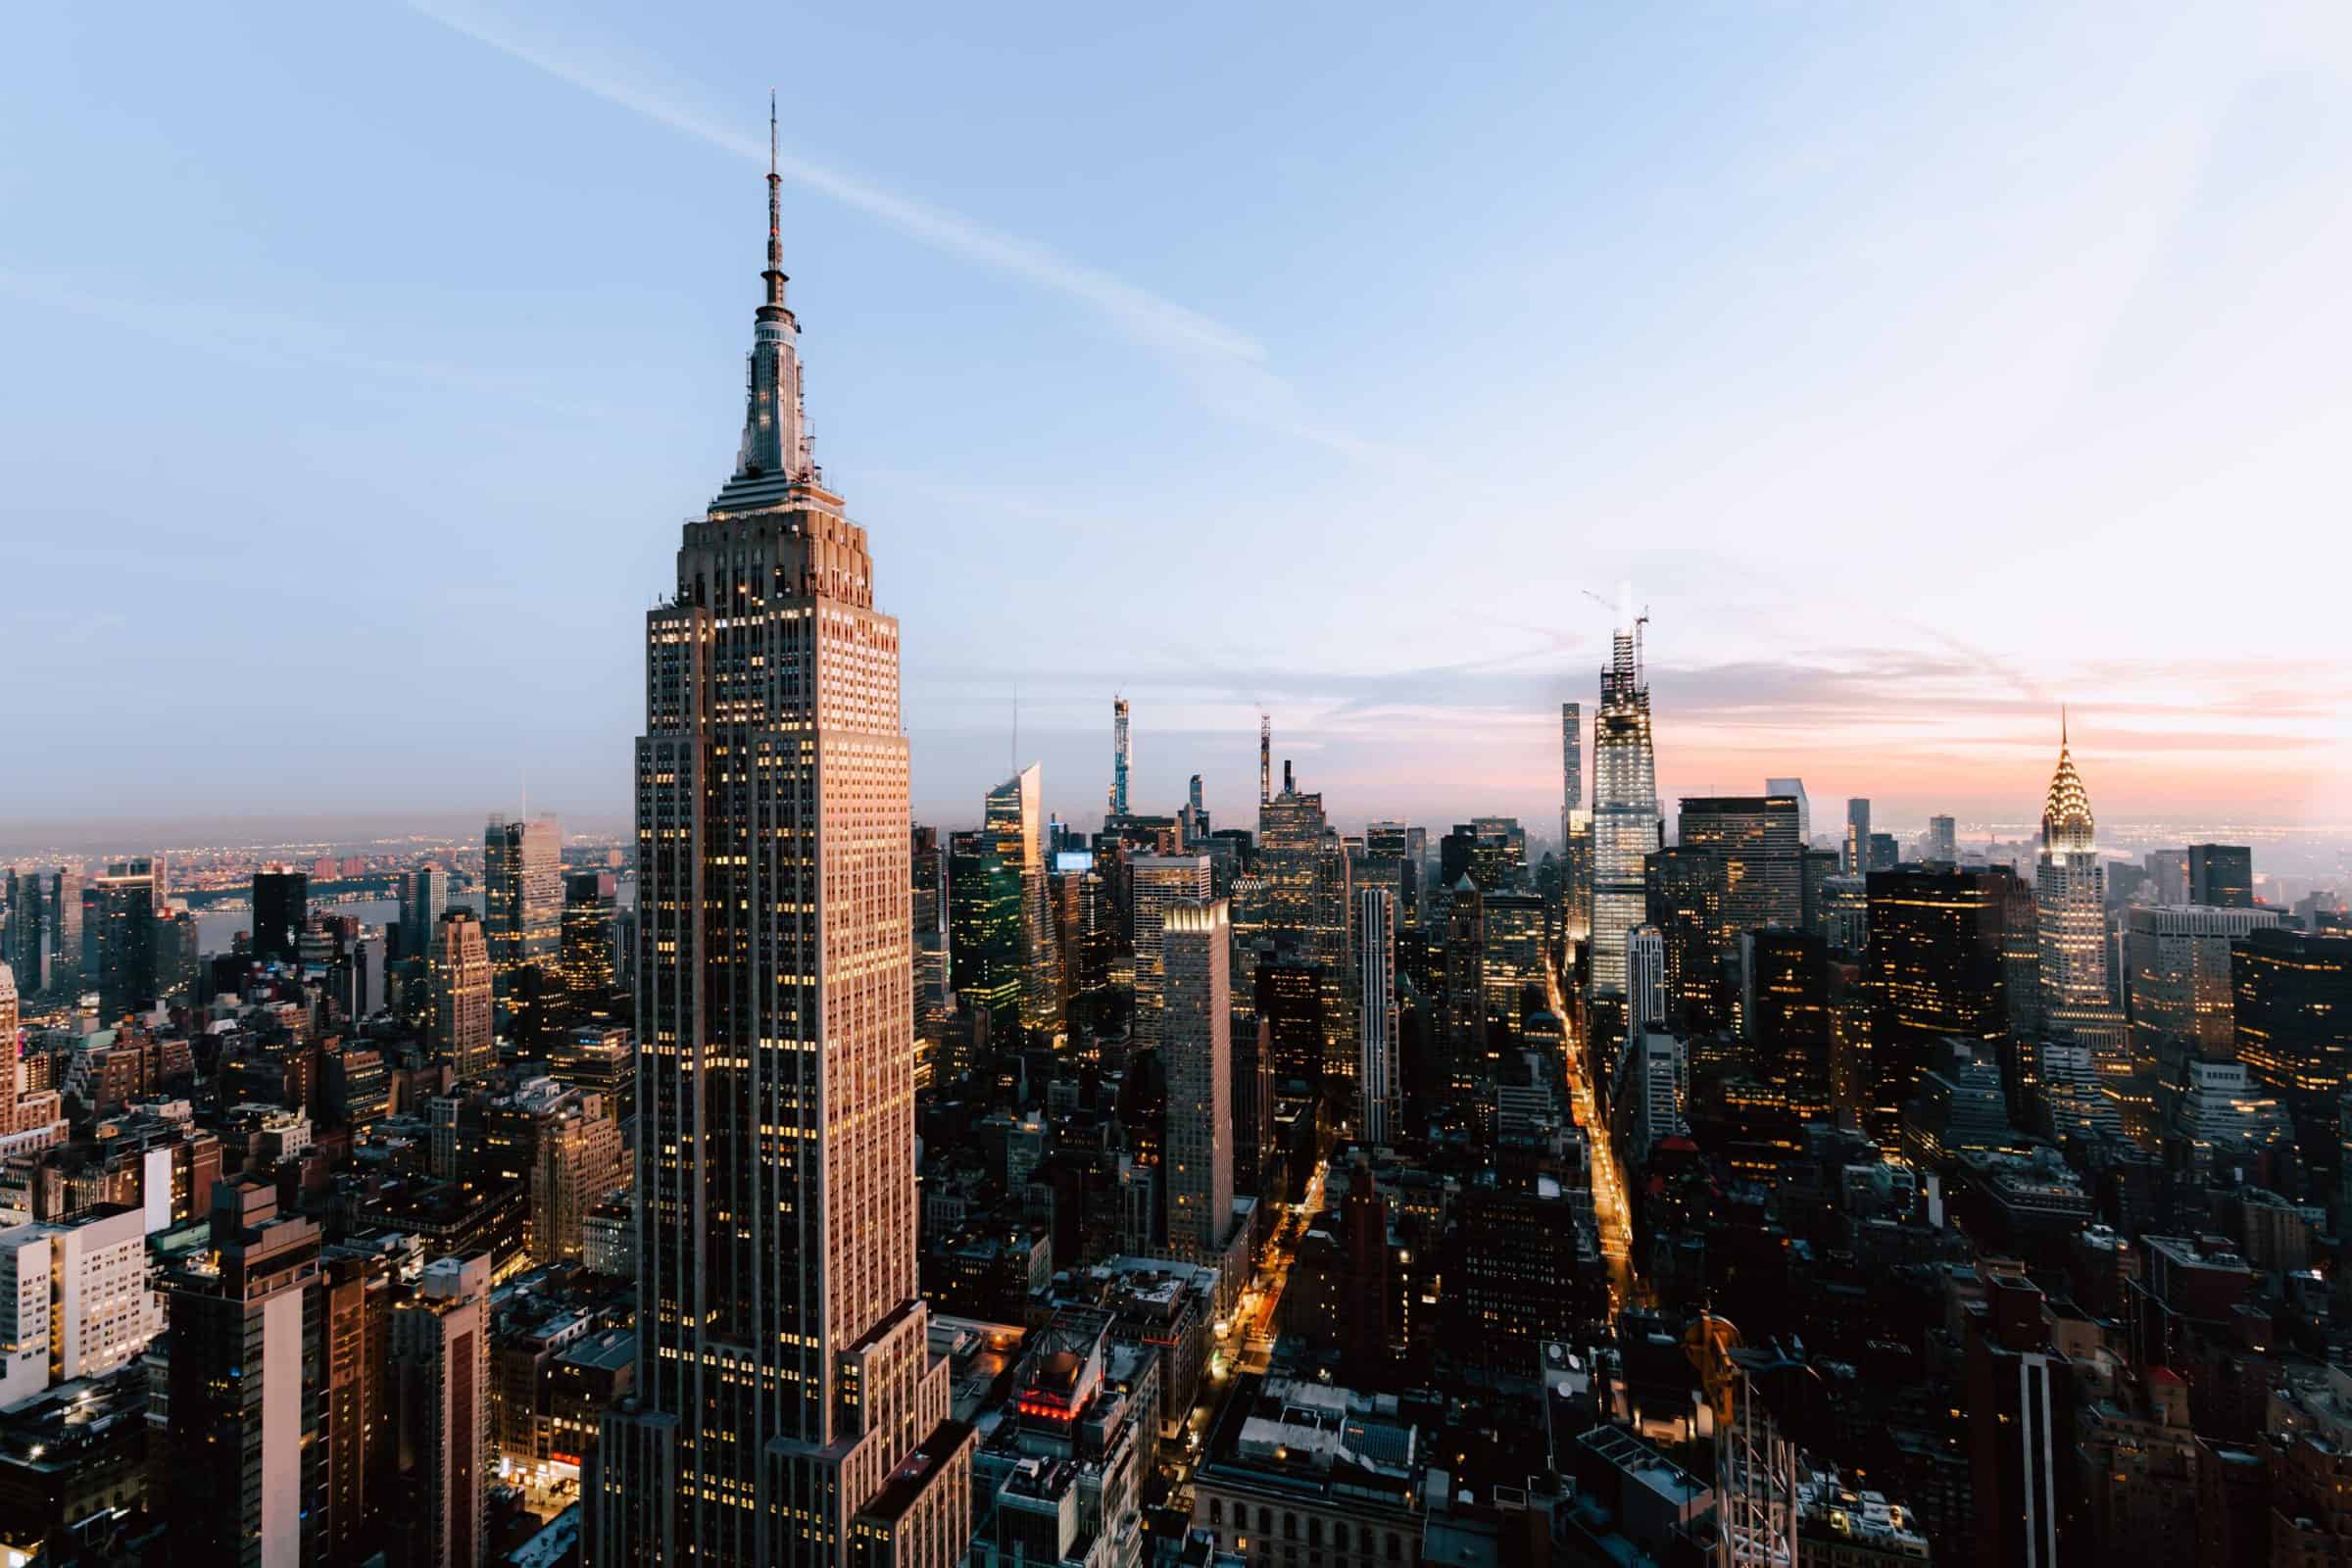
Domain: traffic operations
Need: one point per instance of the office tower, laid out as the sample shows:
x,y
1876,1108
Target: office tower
x,y
29,940
1254,1160
1652,1082
2168,876
245,1473
1942,843
1510,952
1795,789
1625,801
465,1033
522,896
70,963
2221,875
1784,1010
1855,853
1379,1087
2292,1016
983,930
1463,1030
1161,883
123,902
1014,820
1647,1003
281,902
1491,850
1383,864
1886,852
440,1361
1758,875
2178,961
786,1408
1197,1159
1290,1012
1290,839
584,956
1120,756
929,890
2070,896
1935,969
1679,900
423,895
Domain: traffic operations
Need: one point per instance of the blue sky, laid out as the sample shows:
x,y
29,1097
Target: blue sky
x,y
1922,368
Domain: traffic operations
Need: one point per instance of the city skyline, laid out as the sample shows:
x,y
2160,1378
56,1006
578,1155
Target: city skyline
x,y
478,399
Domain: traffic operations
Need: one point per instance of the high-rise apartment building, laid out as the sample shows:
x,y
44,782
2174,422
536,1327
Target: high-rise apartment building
x,y
788,1410
1625,801
2221,876
464,1028
1015,822
423,897
1121,757
1647,1004
1379,1085
440,1358
73,1300
2070,897
281,902
1196,1043
522,895
1576,828
1161,883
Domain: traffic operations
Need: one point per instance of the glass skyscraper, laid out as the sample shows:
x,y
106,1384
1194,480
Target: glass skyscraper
x,y
1625,801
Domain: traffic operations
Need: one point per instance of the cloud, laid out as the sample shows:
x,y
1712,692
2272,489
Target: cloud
x,y
1225,369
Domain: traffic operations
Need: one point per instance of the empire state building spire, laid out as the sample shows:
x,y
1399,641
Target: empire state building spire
x,y
774,455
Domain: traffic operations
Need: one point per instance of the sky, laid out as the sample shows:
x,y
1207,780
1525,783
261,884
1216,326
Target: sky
x,y
1922,368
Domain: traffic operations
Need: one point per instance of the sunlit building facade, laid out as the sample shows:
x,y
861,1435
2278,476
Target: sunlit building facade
x,y
788,1410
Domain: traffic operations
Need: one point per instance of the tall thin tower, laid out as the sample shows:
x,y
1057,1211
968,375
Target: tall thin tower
x,y
1625,800
1575,825
2070,891
1121,757
786,1408
1266,758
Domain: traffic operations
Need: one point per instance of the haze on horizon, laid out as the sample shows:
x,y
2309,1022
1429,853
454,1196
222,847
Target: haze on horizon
x,y
1921,371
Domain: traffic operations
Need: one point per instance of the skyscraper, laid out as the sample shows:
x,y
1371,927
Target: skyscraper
x,y
465,1033
586,955
1161,882
2221,875
440,1357
1015,821
984,929
1625,801
1795,789
1942,841
1378,1086
245,1473
1854,857
1758,870
125,901
1936,969
423,895
1576,828
522,895
1120,756
788,1410
2070,892
282,901
1195,1034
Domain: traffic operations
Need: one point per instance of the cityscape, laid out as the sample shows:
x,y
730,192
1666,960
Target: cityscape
x,y
798,1163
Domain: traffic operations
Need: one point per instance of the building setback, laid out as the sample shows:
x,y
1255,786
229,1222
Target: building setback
x,y
788,1410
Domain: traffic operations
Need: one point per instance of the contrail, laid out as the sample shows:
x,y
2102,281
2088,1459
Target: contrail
x,y
1226,368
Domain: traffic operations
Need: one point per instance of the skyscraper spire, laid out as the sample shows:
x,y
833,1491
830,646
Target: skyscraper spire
x,y
774,455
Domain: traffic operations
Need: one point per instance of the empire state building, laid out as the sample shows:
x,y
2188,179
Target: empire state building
x,y
788,1410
